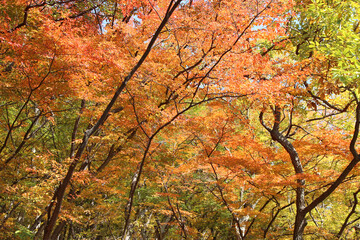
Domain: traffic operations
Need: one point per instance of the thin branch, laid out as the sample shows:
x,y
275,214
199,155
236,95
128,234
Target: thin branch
x,y
26,137
274,217
76,125
353,209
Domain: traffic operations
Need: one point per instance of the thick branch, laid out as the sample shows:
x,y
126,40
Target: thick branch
x,y
346,171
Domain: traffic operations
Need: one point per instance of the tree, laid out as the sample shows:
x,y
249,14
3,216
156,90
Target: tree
x,y
131,119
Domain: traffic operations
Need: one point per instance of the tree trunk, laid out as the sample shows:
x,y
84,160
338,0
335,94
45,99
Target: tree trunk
x,y
300,220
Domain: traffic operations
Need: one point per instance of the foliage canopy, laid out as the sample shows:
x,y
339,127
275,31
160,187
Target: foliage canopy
x,y
179,119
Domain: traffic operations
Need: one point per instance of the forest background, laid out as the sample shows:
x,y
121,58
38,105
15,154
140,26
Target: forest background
x,y
179,119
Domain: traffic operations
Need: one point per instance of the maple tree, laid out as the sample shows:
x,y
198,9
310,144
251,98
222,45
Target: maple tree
x,y
179,119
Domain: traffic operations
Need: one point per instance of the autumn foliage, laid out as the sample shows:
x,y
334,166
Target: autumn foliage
x,y
174,119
